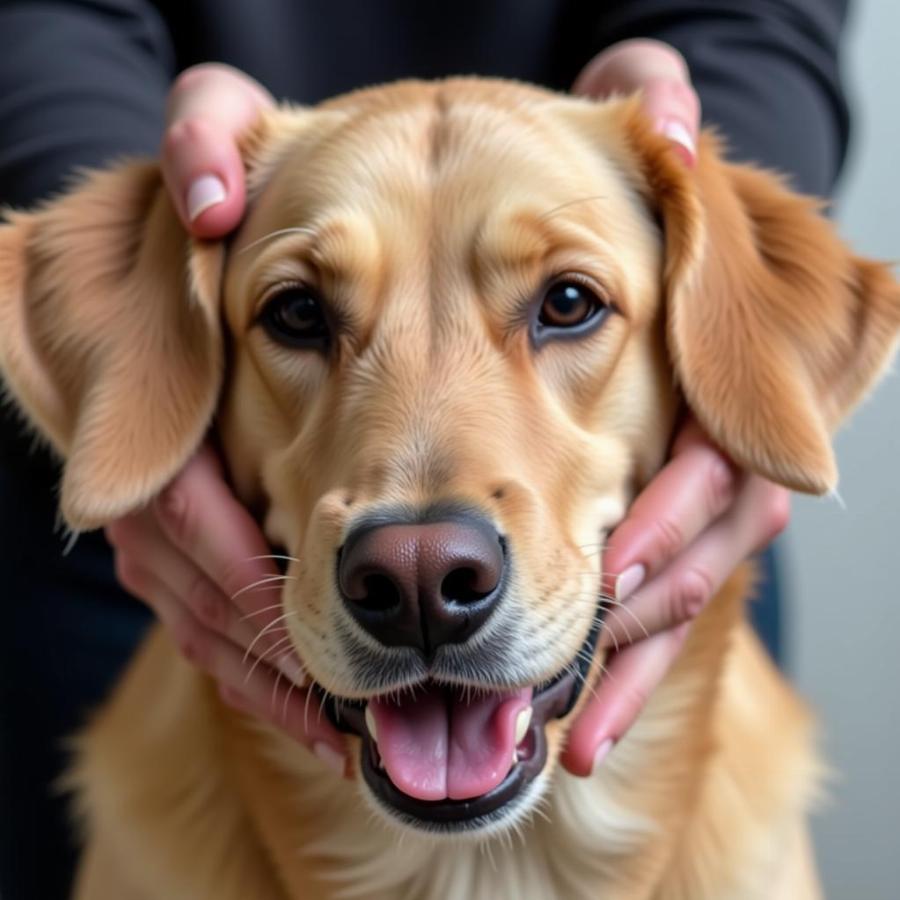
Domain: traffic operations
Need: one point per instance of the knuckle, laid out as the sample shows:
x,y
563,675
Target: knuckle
x,y
174,509
634,699
668,537
193,643
778,514
204,602
693,590
659,52
686,97
124,534
720,483
114,533
184,133
198,76
130,575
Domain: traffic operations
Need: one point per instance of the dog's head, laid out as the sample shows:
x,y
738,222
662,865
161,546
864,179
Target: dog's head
x,y
459,320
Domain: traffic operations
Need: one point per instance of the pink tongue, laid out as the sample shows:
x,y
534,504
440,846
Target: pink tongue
x,y
435,745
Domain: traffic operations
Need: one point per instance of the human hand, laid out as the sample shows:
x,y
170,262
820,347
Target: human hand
x,y
195,555
198,558
699,517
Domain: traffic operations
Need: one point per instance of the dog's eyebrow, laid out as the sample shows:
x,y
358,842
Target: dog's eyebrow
x,y
273,234
556,209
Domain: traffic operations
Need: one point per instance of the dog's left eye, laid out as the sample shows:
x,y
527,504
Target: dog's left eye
x,y
295,317
568,304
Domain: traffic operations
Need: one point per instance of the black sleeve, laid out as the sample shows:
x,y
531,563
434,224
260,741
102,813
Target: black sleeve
x,y
81,83
766,72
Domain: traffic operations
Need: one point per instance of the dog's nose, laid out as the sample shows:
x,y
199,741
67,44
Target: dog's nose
x,y
422,585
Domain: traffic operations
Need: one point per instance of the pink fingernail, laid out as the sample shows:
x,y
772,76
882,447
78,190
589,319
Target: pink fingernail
x,y
629,581
601,754
204,192
328,755
678,133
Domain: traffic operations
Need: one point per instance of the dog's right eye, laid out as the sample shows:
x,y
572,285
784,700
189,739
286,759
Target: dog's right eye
x,y
294,317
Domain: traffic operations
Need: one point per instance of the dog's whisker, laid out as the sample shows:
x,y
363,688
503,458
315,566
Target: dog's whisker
x,y
278,233
273,649
258,612
268,652
558,209
287,698
306,711
618,604
269,579
272,586
283,556
272,700
264,631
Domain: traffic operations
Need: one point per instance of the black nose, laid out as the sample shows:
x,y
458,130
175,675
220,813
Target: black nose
x,y
422,585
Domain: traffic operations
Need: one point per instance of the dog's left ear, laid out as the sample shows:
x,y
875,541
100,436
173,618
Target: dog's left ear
x,y
109,337
775,328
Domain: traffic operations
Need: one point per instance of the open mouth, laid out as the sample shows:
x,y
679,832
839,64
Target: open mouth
x,y
446,757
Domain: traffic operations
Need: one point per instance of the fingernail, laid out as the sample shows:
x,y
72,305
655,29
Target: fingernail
x,y
331,757
629,581
292,669
601,754
204,192
678,133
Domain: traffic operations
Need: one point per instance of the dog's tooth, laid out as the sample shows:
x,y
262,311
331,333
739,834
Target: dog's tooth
x,y
523,720
370,724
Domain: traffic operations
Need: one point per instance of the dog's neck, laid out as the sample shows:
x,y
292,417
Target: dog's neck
x,y
587,838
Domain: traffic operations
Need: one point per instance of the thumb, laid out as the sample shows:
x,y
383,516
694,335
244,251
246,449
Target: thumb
x,y
209,106
661,74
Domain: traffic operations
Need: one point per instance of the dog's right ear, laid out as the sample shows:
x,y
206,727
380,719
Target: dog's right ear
x,y
776,329
110,340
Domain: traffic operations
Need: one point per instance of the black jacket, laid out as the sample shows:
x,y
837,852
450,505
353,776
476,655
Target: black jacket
x,y
84,81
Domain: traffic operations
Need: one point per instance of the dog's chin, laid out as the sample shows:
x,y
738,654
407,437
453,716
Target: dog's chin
x,y
512,795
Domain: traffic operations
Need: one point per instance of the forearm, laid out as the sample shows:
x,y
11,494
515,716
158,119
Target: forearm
x,y
766,73
80,84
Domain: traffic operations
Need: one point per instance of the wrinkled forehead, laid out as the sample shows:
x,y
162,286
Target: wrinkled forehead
x,y
451,180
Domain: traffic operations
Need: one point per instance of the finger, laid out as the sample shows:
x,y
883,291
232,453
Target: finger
x,y
296,712
139,538
660,72
683,589
247,684
630,678
209,107
198,514
690,492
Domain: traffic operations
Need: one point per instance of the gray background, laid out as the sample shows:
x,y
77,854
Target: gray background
x,y
844,564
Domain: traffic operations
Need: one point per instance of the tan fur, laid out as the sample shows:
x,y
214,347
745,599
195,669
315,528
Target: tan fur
x,y
429,214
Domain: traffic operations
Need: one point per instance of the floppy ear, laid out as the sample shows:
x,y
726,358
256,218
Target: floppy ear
x,y
775,328
109,337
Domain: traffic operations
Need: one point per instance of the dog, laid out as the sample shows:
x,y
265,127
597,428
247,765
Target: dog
x,y
446,348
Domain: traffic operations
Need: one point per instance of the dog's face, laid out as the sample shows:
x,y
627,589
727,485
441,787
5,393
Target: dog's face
x,y
460,319
449,374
